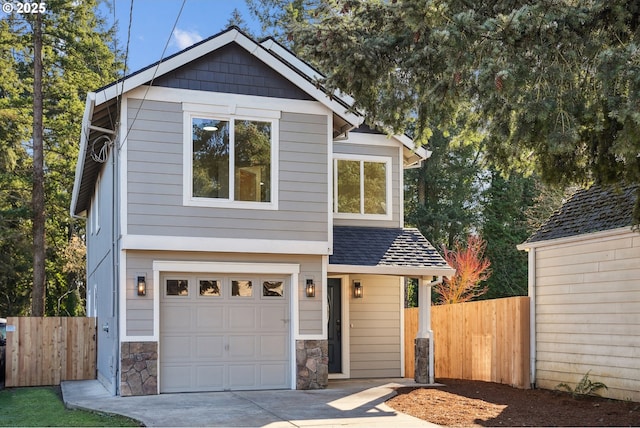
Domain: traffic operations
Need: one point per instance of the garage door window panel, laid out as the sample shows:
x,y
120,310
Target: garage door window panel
x,y
177,287
273,289
241,288
210,287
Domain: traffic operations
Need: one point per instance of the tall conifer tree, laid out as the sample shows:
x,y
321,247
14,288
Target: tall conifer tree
x,y
555,84
75,58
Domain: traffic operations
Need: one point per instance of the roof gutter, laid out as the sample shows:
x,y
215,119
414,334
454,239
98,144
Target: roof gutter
x,y
82,152
392,270
604,235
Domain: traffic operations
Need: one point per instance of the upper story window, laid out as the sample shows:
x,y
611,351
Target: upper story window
x,y
362,186
232,162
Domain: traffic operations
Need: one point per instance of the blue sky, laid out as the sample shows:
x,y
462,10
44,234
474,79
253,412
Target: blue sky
x,y
153,21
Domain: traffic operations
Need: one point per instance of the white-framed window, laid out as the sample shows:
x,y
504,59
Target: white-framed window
x,y
362,186
231,161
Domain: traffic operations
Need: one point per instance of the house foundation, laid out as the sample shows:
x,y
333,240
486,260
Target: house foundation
x,y
312,364
139,368
421,374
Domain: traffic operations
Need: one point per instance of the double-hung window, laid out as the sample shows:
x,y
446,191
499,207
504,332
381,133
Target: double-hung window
x,y
362,186
232,162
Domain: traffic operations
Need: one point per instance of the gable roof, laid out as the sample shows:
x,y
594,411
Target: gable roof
x,y
596,209
398,251
102,106
412,153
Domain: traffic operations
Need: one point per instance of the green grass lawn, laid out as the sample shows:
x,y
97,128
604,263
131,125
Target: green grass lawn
x,y
42,406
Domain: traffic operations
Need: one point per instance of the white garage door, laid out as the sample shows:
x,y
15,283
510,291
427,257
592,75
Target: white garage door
x,y
224,332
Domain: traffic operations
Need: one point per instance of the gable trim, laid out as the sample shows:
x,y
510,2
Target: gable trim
x,y
84,135
571,240
233,35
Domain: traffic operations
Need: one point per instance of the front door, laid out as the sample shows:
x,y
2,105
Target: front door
x,y
334,297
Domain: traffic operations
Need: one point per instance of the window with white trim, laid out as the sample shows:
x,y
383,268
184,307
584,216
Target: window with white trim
x,y
362,186
232,162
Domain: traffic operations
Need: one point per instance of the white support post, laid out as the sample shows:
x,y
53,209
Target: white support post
x,y
424,309
424,320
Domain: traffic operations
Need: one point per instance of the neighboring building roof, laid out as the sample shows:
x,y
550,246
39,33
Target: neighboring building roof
x,y
385,251
589,210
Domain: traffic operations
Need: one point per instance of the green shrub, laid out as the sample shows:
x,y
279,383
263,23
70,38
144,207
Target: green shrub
x,y
584,387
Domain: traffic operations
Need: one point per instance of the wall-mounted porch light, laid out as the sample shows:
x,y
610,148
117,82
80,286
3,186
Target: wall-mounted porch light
x,y
310,288
142,286
357,289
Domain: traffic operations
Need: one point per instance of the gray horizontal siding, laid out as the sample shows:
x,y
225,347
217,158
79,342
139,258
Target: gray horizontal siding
x,y
139,310
155,182
396,186
375,328
588,314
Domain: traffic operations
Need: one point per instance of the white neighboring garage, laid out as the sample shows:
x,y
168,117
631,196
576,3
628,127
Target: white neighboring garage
x,y
584,285
225,326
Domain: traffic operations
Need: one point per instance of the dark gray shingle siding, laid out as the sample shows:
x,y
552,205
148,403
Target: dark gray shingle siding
x,y
232,70
373,246
590,210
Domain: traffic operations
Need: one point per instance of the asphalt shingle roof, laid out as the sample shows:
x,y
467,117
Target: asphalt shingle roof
x,y
590,210
376,246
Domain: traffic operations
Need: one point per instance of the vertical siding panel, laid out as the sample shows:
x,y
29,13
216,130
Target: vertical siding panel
x,y
482,340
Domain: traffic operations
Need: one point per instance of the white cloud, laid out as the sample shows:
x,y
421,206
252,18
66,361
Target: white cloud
x,y
184,38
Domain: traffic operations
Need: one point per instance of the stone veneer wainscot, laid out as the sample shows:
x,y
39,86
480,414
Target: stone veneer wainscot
x,y
139,368
312,364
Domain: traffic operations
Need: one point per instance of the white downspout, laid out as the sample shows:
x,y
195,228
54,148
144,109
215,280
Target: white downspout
x,y
532,316
424,322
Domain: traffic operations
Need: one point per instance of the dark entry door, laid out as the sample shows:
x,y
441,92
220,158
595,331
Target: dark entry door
x,y
334,297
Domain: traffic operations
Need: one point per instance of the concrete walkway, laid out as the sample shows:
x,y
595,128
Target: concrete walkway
x,y
345,403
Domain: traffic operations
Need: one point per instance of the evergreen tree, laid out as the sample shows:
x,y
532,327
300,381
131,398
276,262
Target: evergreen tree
x,y
237,20
555,84
443,196
504,226
75,59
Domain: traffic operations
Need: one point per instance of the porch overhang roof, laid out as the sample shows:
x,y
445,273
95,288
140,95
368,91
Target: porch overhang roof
x,y
385,251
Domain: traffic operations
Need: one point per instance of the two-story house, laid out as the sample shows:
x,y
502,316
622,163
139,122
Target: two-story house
x,y
244,228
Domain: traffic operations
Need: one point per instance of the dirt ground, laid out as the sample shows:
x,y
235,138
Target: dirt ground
x,y
472,403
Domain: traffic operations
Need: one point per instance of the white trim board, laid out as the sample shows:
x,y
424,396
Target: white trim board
x,y
391,270
229,245
219,102
572,240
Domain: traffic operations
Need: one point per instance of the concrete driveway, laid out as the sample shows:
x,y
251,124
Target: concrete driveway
x,y
358,403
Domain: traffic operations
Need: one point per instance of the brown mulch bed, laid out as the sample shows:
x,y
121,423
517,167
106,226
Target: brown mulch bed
x,y
472,403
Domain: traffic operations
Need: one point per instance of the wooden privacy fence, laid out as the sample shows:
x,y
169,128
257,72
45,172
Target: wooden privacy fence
x,y
45,351
486,340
